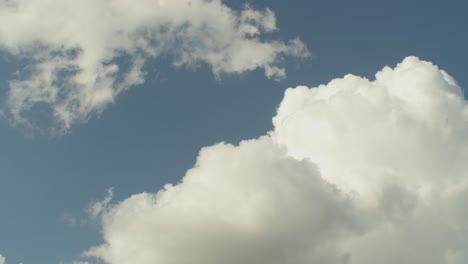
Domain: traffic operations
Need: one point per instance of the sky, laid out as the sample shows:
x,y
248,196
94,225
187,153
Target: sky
x,y
113,115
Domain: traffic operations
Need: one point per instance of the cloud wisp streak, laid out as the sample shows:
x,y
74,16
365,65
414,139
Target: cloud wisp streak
x,y
81,55
355,172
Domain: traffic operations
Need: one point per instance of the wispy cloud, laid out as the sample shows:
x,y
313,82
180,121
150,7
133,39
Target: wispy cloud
x,y
72,49
97,208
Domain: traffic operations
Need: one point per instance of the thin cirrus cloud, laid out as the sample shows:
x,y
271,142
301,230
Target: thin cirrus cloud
x,y
72,49
354,172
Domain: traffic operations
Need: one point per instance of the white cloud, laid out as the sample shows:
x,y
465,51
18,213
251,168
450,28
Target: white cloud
x,y
399,145
355,172
239,204
72,48
2,259
409,126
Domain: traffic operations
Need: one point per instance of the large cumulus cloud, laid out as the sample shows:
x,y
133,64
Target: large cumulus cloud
x,y
356,171
81,54
408,126
239,204
398,145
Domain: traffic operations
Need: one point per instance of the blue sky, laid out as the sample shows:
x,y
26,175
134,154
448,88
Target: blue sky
x,y
152,133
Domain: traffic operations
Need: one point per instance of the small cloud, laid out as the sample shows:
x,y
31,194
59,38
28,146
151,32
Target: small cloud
x,y
69,219
76,262
97,208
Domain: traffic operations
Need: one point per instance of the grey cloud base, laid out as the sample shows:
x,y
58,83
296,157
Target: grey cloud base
x,y
354,172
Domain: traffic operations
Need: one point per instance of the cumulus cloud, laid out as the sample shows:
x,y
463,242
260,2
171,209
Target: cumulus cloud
x,y
239,204
81,54
356,171
397,144
407,126
2,259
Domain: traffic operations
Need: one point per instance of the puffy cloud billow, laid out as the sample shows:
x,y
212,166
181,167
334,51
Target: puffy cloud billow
x,y
239,204
408,126
2,259
81,54
356,171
